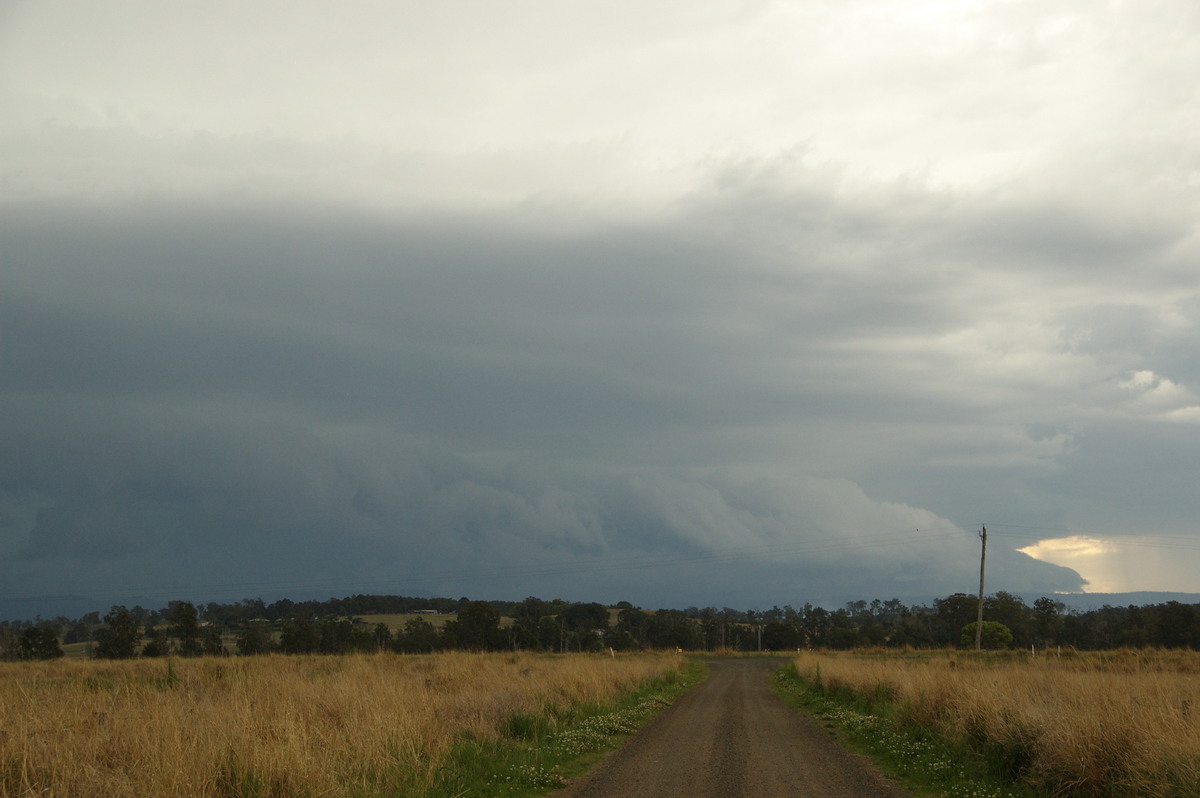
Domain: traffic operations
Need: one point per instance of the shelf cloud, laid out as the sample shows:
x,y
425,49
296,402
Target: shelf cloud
x,y
723,303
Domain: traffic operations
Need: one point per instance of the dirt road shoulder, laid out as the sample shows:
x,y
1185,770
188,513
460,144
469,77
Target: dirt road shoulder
x,y
733,737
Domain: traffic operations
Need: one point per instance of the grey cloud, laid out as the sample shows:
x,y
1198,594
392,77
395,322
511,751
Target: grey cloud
x,y
1140,469
687,296
450,403
267,512
484,331
1031,233
225,508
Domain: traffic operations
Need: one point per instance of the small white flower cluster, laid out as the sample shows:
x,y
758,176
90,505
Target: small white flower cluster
x,y
579,739
531,776
592,733
961,791
919,757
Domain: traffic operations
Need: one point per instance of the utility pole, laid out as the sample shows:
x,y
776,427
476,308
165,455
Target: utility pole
x,y
979,617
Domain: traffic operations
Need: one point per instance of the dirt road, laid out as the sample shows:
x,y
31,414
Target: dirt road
x,y
732,737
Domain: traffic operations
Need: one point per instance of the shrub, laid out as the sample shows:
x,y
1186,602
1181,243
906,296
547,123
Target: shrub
x,y
995,636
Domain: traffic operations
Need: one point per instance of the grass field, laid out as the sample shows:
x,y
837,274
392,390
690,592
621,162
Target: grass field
x,y
395,621
358,725
1121,723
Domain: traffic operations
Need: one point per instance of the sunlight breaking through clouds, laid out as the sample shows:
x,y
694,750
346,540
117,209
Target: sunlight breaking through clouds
x,y
1124,563
1091,557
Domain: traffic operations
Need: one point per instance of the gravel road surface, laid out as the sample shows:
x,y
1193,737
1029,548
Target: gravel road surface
x,y
732,737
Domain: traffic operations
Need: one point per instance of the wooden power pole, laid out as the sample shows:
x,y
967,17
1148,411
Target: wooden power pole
x,y
979,617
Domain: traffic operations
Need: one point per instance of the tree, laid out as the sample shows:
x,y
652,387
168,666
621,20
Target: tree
x,y
476,627
184,625
280,609
39,643
211,643
418,637
9,639
1047,620
672,629
157,644
586,617
118,637
841,637
1011,611
628,632
912,630
299,636
254,638
780,636
953,612
995,636
549,633
585,625
530,611
527,615
222,615
337,637
1178,625
78,632
841,633
815,623
721,629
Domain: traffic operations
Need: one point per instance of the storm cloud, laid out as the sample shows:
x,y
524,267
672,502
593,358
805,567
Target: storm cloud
x,y
499,322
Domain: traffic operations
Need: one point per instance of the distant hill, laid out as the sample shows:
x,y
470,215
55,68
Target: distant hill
x,y
1091,601
1084,602
24,609
1081,602
27,608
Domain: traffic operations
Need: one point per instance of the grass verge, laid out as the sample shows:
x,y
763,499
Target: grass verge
x,y
926,764
539,753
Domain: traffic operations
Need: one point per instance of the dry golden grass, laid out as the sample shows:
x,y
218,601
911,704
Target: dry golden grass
x,y
320,726
1124,723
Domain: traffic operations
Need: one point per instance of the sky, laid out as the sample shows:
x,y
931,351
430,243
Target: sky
x,y
686,303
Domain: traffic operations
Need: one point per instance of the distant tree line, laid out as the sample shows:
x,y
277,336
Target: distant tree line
x,y
331,627
892,624
29,641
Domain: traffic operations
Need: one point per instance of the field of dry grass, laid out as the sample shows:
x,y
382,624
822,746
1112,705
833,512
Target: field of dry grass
x,y
395,621
276,725
1119,723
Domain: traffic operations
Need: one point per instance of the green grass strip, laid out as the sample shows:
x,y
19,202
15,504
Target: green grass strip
x,y
924,763
539,754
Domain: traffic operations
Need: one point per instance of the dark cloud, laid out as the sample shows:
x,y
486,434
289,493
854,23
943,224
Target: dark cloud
x,y
266,402
533,306
222,511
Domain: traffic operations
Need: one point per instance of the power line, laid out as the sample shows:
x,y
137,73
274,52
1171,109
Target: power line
x,y
1152,539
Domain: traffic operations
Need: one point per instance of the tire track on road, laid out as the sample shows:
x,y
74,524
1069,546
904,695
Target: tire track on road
x,y
733,737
